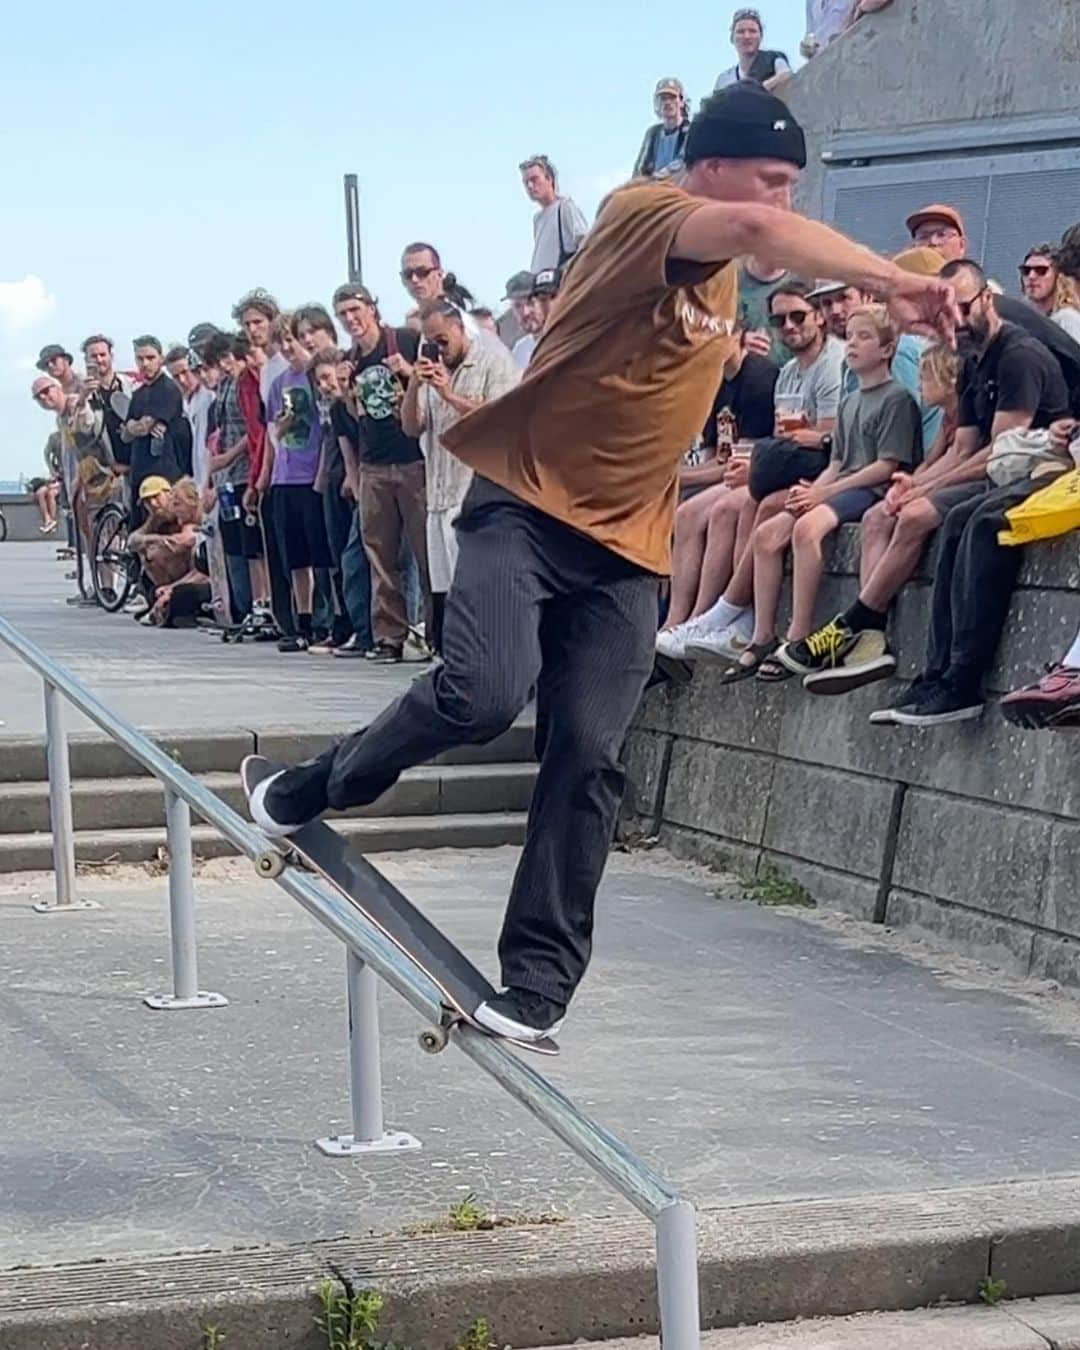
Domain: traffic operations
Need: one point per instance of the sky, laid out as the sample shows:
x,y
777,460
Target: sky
x,y
161,160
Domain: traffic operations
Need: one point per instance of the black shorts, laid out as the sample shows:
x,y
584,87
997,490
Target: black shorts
x,y
297,512
238,538
853,503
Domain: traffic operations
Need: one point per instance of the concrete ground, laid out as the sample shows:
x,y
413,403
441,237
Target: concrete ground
x,y
750,1055
165,680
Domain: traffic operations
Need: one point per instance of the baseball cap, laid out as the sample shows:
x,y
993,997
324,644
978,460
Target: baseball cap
x,y
150,487
669,85
519,287
547,282
47,353
42,383
921,262
824,288
935,211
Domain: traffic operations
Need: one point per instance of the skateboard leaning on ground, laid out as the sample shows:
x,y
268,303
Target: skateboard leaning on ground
x,y
219,575
321,849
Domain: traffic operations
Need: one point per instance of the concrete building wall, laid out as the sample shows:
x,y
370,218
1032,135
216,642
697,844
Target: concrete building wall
x,y
925,64
970,832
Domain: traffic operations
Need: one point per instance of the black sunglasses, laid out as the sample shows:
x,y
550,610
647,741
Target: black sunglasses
x,y
964,306
796,316
417,273
1034,269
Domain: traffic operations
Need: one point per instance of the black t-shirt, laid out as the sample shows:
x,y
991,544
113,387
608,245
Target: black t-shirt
x,y
378,394
750,397
1065,348
171,455
1015,374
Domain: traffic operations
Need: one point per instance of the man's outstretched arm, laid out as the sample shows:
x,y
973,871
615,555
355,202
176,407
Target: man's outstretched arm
x,y
781,239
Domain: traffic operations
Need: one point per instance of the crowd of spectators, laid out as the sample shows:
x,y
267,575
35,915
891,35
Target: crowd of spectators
x,y
304,449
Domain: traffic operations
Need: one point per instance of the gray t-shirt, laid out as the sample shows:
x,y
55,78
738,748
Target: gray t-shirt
x,y
818,384
879,423
546,222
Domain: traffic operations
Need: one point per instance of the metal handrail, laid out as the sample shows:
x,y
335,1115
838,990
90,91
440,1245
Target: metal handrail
x,y
674,1218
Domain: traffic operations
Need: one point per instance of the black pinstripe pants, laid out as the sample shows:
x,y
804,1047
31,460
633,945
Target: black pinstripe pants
x,y
533,603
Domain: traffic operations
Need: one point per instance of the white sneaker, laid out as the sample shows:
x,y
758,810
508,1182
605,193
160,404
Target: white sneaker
x,y
726,646
262,817
136,605
673,642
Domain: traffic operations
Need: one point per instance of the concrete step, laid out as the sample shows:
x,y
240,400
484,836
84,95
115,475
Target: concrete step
x,y
22,758
394,834
137,803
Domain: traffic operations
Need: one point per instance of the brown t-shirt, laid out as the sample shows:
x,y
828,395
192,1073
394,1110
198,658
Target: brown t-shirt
x,y
620,384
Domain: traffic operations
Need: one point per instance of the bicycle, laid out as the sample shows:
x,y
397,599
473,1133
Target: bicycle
x,y
114,568
3,525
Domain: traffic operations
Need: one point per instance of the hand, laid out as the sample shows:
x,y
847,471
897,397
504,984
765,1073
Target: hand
x,y
250,500
282,424
809,47
158,430
397,363
901,486
90,386
439,377
803,497
350,488
758,341
1062,431
737,471
807,437
344,374
207,499
924,305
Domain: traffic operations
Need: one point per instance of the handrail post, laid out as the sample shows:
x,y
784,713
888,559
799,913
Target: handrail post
x,y
677,1277
186,992
365,1072
60,816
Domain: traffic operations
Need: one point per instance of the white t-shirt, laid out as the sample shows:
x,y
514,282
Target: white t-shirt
x,y
1068,317
546,223
523,349
197,412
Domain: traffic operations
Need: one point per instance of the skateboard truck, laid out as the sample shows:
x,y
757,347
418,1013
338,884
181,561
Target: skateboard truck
x,y
270,864
434,1040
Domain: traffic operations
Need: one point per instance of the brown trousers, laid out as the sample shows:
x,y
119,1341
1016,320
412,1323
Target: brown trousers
x,y
393,507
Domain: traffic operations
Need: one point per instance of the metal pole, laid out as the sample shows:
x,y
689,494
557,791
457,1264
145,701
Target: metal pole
x,y
60,817
186,992
677,1277
365,1071
352,227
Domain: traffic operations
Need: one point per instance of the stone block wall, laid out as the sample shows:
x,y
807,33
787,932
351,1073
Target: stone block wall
x,y
970,832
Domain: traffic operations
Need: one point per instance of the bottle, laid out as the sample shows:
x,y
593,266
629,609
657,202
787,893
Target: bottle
x,y
725,433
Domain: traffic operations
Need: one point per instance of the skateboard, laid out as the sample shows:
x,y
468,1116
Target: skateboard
x,y
322,850
219,575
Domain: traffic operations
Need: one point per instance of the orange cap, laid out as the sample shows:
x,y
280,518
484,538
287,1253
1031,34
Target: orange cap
x,y
936,211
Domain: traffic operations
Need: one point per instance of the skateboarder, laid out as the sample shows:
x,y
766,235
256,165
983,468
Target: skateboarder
x,y
566,531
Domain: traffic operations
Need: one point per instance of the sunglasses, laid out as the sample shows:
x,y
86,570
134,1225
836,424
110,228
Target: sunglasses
x,y
416,273
1035,269
797,317
965,306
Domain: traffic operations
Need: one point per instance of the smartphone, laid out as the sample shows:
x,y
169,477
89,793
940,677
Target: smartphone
x,y
430,351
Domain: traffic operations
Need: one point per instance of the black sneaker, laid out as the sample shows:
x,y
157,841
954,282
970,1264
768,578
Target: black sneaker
x,y
292,644
943,706
521,1015
284,802
845,660
824,648
384,654
917,692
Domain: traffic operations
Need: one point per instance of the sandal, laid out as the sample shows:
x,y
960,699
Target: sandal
x,y
771,671
750,662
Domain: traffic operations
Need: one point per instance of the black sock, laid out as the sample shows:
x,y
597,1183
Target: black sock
x,y
860,617
303,626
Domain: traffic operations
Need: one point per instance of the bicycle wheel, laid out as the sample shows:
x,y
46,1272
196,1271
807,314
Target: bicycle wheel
x,y
111,572
3,527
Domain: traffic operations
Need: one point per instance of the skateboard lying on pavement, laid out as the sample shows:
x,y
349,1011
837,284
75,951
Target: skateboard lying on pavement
x,y
323,850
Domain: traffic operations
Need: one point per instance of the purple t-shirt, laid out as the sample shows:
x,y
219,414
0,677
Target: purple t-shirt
x,y
296,454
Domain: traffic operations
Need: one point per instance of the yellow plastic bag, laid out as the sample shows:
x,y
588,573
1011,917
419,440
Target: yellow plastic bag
x,y
1053,510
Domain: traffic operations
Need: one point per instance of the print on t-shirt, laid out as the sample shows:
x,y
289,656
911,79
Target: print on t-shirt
x,y
298,406
378,392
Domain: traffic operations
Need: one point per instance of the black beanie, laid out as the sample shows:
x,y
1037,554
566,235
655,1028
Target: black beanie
x,y
745,121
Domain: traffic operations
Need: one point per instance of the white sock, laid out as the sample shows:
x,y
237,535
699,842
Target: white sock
x,y
1072,656
721,615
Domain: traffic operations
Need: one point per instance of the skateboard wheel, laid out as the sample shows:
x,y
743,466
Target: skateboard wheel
x,y
434,1040
270,864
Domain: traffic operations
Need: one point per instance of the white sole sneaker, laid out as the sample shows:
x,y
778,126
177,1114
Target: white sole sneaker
x,y
262,817
920,719
726,648
499,1025
843,679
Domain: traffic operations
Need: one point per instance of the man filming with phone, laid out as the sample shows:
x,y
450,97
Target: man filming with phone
x,y
454,374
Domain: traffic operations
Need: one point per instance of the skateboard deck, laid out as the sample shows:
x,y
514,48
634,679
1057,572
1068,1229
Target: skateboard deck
x,y
219,575
462,986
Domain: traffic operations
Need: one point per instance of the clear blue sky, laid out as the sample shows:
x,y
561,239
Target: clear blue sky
x,y
162,159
